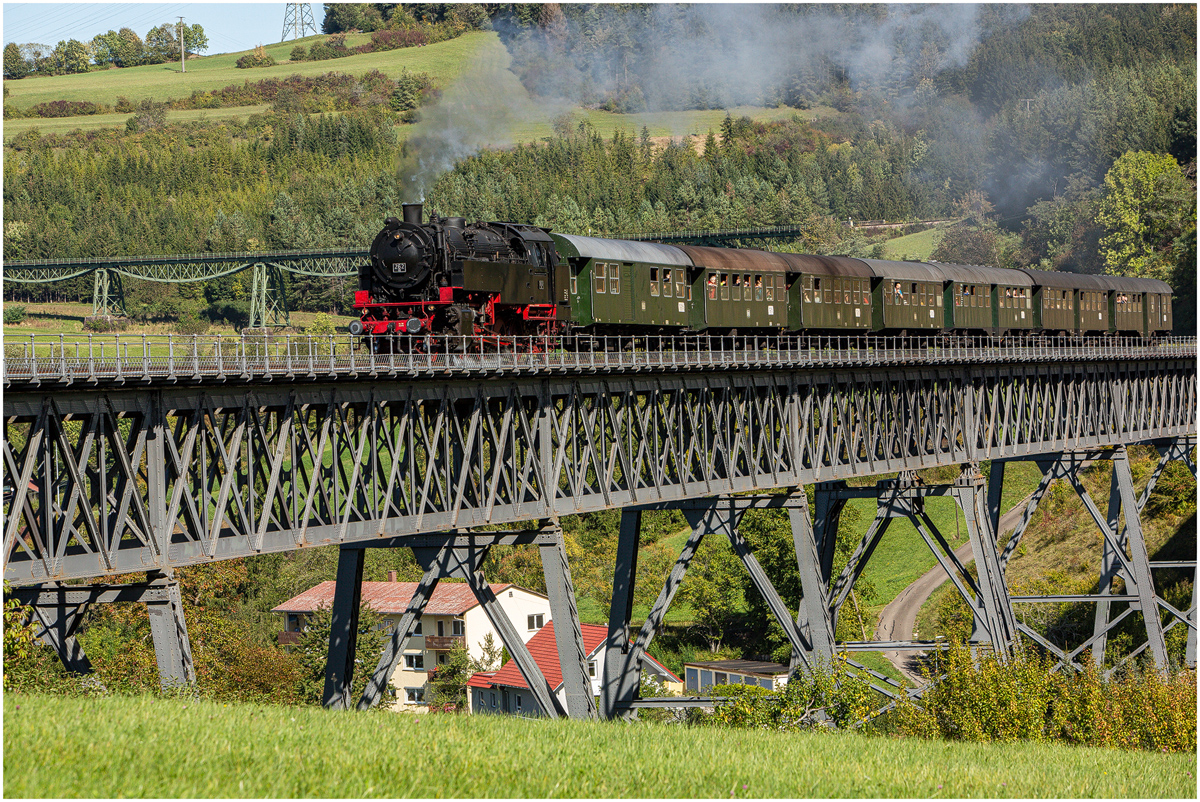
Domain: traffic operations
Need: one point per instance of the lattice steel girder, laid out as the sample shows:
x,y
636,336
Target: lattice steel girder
x,y
189,267
113,482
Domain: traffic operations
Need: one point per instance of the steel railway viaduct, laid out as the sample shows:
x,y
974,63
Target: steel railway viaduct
x,y
185,458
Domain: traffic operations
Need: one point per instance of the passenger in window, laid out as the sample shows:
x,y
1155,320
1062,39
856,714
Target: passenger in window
x,y
899,292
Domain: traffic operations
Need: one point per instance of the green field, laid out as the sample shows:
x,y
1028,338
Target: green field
x,y
443,61
914,246
147,747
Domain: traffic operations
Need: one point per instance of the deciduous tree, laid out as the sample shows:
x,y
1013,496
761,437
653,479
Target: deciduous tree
x,y
15,65
1147,205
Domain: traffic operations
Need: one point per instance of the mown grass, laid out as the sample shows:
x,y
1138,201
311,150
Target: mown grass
x,y
914,246
147,747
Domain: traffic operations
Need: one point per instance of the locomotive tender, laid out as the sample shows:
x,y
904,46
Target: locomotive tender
x,y
500,280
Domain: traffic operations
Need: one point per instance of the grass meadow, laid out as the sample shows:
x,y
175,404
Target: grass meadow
x,y
443,61
153,747
914,246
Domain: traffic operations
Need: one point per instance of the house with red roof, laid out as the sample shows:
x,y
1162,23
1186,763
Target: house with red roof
x,y
452,617
505,691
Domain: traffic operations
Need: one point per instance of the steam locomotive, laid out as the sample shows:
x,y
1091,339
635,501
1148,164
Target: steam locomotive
x,y
445,278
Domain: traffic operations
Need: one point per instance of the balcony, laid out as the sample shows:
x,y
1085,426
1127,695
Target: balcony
x,y
438,643
289,638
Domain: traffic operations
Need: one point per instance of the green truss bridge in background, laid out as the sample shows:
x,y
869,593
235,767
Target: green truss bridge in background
x,y
268,299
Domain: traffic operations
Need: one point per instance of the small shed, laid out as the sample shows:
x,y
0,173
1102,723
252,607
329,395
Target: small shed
x,y
699,677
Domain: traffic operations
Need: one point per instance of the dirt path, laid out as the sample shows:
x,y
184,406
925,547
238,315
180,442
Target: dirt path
x,y
898,621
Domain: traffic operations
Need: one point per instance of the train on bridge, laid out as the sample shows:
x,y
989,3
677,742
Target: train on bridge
x,y
492,282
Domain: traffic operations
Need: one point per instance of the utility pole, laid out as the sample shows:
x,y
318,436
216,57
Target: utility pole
x,y
182,49
298,19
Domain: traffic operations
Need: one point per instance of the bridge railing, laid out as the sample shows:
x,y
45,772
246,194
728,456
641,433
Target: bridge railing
x,y
69,358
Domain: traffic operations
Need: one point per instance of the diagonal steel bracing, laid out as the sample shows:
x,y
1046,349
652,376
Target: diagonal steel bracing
x,y
108,481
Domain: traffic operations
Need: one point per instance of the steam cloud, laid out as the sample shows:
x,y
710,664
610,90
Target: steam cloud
x,y
725,54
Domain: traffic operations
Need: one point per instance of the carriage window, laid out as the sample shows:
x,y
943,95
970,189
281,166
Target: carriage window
x,y
666,283
689,292
837,290
746,284
574,284
614,279
724,286
712,286
937,296
807,287
654,281
846,292
737,287
770,289
598,273
758,288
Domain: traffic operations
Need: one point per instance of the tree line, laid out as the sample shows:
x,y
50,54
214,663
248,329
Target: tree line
x,y
123,48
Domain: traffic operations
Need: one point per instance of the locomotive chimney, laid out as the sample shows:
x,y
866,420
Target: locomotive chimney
x,y
412,212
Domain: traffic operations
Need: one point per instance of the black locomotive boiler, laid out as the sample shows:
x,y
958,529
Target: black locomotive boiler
x,y
450,277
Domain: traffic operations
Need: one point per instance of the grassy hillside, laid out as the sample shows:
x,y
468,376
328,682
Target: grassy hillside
x,y
138,747
443,61
479,53
913,246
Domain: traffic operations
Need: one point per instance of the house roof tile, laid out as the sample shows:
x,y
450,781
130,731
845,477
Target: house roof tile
x,y
544,651
391,598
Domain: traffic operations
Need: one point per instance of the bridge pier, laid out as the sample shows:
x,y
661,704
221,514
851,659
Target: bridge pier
x,y
1124,555
59,609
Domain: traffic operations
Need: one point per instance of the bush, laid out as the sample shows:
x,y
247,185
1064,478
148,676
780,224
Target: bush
x,y
256,58
14,313
105,323
235,313
67,108
395,39
843,699
150,116
298,53
191,323
983,699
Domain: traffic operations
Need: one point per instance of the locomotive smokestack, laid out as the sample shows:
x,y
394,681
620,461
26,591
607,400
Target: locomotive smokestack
x,y
412,212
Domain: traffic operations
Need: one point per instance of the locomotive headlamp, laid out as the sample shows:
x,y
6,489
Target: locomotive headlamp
x,y
413,325
356,327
